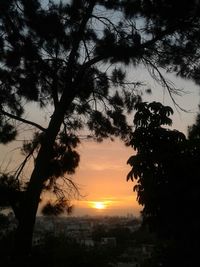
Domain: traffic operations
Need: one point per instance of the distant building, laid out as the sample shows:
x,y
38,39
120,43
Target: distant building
x,y
109,241
87,242
127,264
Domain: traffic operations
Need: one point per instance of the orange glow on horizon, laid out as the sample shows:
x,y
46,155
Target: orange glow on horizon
x,y
99,205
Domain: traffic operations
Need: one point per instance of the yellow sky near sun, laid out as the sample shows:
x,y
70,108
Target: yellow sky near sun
x,y
102,178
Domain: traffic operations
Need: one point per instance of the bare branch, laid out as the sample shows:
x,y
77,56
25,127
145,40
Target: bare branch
x,y
104,20
166,84
12,116
22,165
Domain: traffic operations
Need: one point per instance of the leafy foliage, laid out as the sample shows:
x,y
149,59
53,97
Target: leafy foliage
x,y
166,170
57,208
7,132
194,130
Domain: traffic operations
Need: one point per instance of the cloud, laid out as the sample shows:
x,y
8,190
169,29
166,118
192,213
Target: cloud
x,y
102,167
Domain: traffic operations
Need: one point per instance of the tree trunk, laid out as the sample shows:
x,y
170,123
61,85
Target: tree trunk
x,y
24,233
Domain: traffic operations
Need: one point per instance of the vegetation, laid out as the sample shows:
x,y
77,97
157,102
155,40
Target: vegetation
x,y
53,253
166,168
72,57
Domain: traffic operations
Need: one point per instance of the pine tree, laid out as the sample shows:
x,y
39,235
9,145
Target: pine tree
x,y
52,54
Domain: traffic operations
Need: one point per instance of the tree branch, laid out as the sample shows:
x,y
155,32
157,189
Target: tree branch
x,y
12,116
100,18
22,165
79,36
146,44
160,79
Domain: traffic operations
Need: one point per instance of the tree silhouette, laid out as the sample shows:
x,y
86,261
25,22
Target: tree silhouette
x,y
51,55
166,168
194,130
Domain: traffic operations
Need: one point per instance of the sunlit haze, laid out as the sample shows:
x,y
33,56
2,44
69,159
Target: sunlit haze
x,y
101,175
102,172
99,205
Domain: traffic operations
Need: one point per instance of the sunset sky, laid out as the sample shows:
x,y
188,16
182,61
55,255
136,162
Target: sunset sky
x,y
102,178
101,175
103,169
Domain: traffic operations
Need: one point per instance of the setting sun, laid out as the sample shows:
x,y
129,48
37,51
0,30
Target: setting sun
x,y
99,205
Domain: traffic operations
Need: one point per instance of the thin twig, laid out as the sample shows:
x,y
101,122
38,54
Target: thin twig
x,y
164,83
